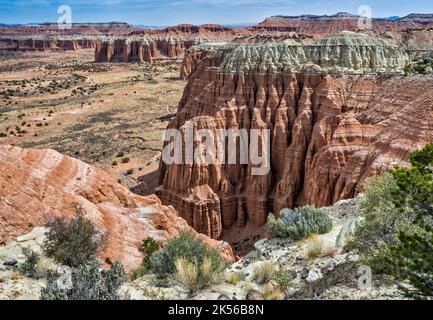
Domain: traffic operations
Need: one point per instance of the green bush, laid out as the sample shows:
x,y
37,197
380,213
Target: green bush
x,y
147,248
72,242
283,279
188,247
299,223
88,283
29,267
381,222
396,233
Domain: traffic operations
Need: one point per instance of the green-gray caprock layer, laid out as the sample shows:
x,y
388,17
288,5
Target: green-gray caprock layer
x,y
346,53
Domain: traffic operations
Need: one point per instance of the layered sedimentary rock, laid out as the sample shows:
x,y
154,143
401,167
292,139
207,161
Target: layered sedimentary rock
x,y
39,183
337,111
168,43
342,21
140,49
49,37
43,43
113,28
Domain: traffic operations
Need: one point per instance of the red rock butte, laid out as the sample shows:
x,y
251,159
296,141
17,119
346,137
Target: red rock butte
x,y
339,109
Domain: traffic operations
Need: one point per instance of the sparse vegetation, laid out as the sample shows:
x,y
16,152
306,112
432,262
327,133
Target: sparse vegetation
x,y
314,248
88,283
283,279
147,248
264,271
396,234
189,248
271,293
299,223
234,278
195,276
72,242
29,267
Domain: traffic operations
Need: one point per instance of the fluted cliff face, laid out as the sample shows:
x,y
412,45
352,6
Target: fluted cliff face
x,y
337,111
168,43
346,53
38,43
35,183
140,49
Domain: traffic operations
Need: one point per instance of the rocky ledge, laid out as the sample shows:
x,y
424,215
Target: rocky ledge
x,y
331,274
35,184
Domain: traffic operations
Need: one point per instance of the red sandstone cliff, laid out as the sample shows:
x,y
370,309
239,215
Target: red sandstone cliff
x,y
38,182
328,132
30,43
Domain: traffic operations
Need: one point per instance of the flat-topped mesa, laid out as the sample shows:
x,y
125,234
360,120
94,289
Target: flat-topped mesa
x,y
49,42
330,24
168,43
345,53
328,130
141,49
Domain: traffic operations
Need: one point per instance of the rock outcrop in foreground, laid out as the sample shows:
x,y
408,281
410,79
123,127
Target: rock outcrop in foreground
x,y
34,183
337,111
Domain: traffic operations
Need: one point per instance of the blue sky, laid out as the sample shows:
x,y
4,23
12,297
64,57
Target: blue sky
x,y
169,12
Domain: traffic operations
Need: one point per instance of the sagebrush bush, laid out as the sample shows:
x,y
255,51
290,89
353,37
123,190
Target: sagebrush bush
x,y
29,268
72,242
299,223
88,283
195,276
188,247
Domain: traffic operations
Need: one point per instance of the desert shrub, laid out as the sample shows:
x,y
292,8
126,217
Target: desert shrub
x,y
125,160
130,171
72,242
264,271
314,248
195,276
188,247
233,278
397,230
381,221
29,268
299,223
271,293
283,279
88,283
147,248
3,135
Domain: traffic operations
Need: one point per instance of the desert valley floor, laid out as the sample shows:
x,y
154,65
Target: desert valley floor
x,y
103,114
